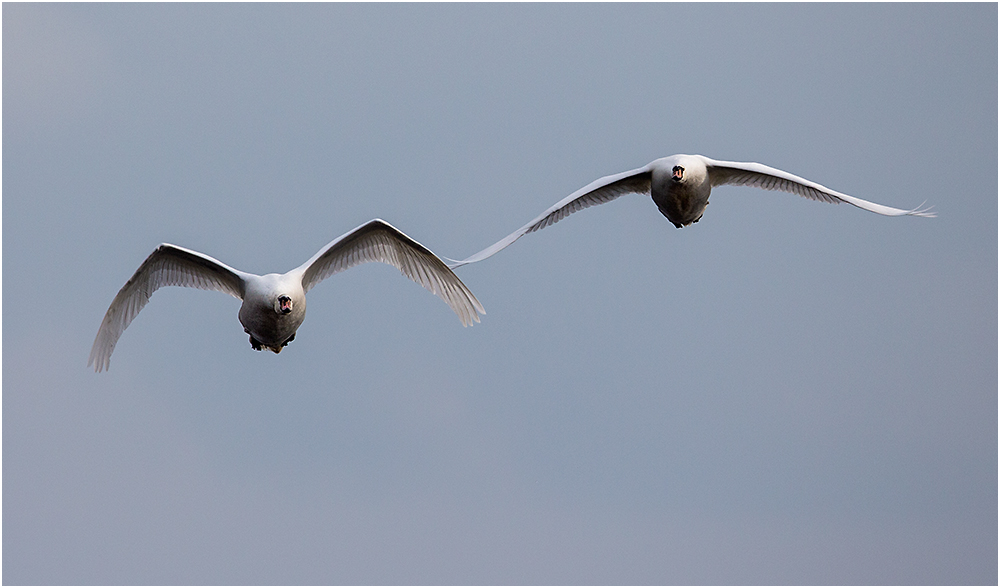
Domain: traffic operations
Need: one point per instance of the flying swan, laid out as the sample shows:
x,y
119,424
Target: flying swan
x,y
679,186
274,305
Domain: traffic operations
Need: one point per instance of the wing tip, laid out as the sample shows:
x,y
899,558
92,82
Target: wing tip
x,y
923,211
100,365
471,313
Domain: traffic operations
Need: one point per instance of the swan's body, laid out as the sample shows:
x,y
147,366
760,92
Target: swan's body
x,y
680,186
274,305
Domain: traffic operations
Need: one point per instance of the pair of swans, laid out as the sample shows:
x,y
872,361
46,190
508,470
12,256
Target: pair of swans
x,y
274,305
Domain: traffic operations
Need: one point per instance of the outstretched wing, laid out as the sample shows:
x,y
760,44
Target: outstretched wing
x,y
768,178
168,265
606,189
377,240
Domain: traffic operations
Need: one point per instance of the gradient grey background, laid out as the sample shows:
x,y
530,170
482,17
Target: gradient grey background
x,y
787,392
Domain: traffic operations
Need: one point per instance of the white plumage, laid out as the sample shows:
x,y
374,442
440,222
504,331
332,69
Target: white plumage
x,y
680,186
274,305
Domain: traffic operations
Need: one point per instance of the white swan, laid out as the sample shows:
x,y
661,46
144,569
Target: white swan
x,y
680,186
275,305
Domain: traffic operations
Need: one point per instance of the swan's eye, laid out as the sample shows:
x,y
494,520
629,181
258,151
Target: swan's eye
x,y
678,173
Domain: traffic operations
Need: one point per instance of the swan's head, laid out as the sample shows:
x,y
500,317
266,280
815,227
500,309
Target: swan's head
x,y
283,304
677,174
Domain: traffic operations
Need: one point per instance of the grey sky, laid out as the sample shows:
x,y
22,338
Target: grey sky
x,y
786,392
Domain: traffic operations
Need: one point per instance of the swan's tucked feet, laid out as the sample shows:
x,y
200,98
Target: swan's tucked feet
x,y
255,344
282,346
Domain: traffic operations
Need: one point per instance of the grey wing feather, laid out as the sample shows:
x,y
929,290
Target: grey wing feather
x,y
168,265
768,178
606,189
379,241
